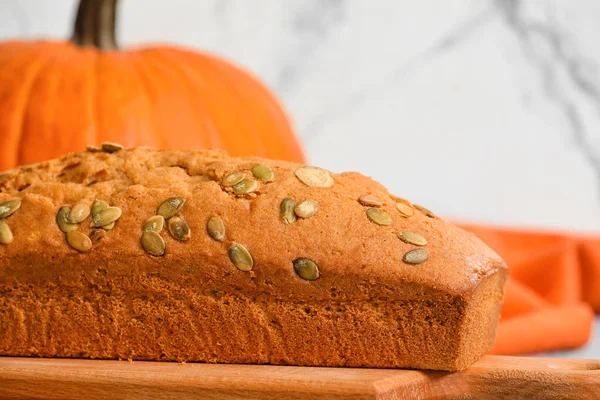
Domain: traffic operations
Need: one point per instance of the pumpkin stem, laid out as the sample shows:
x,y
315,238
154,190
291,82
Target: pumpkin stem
x,y
95,24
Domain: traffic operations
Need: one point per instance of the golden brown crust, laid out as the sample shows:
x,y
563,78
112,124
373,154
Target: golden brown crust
x,y
358,260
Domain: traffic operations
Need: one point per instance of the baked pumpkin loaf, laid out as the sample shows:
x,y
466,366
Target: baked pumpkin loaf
x,y
186,255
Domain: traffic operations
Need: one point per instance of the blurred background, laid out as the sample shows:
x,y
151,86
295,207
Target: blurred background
x,y
487,112
484,111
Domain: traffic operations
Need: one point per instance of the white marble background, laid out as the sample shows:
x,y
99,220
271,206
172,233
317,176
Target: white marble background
x,y
484,111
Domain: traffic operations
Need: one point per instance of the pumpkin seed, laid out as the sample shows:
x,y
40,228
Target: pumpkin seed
x,y
370,201
106,216
8,173
216,228
154,223
240,257
98,206
61,220
306,269
286,210
97,235
79,241
111,147
379,216
405,209
416,256
262,172
179,229
93,149
9,207
79,212
170,207
245,186
314,176
153,244
6,235
412,238
29,167
306,208
424,210
233,178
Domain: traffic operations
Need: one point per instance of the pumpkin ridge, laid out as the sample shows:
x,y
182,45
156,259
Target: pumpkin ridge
x,y
46,99
93,102
250,123
285,142
138,63
19,130
212,97
241,143
167,55
223,93
10,126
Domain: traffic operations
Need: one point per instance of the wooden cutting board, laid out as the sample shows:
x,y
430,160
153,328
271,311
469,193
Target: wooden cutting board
x,y
493,377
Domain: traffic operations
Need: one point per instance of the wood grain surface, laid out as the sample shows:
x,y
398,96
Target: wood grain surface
x,y
493,377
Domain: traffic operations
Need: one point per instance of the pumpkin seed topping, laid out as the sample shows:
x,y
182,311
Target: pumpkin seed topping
x,y
79,241
412,238
306,208
8,173
233,178
379,216
111,147
97,235
416,256
314,176
405,209
109,226
179,229
306,269
9,207
30,167
61,220
216,228
170,207
78,213
93,149
286,210
106,216
154,223
240,257
424,210
6,235
98,206
153,244
245,186
262,172
370,201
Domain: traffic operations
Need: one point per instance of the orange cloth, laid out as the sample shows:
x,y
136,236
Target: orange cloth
x,y
552,291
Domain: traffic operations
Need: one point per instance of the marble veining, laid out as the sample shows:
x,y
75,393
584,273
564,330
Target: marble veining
x,y
556,54
446,43
311,24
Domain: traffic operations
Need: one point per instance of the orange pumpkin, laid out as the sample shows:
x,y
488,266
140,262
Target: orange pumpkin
x,y
57,97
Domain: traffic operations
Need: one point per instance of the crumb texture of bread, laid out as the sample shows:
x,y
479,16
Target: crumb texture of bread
x,y
355,276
